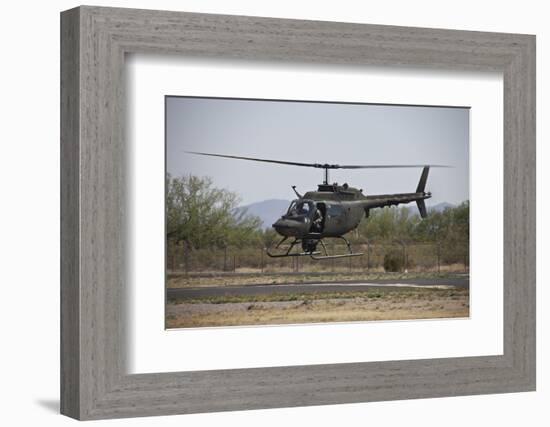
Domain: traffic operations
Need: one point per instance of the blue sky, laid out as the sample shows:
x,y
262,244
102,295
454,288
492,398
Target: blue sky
x,y
319,133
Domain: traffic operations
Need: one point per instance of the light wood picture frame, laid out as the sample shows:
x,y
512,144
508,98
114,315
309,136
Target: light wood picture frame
x,y
94,382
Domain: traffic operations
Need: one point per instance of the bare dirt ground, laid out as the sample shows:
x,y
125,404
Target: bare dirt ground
x,y
341,307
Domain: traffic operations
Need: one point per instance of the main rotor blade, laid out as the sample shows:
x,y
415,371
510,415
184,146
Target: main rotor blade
x,y
281,162
316,165
388,166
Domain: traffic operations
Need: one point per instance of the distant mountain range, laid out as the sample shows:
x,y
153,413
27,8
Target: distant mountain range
x,y
271,210
439,207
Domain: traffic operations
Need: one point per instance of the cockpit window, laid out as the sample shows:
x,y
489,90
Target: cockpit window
x,y
300,208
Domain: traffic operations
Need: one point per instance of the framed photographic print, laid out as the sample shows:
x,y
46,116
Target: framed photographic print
x,y
337,212
239,252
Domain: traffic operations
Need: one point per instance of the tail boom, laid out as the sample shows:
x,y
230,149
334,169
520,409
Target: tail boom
x,y
382,200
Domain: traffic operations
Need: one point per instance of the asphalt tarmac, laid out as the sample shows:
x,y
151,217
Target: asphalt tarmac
x,y
462,282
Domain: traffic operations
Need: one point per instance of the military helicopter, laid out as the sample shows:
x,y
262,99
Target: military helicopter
x,y
331,211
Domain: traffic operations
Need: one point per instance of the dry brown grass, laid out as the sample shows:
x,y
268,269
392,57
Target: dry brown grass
x,y
387,306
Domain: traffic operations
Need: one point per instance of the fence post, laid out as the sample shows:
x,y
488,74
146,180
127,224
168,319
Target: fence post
x,y
186,258
368,255
234,263
406,255
438,257
262,260
225,258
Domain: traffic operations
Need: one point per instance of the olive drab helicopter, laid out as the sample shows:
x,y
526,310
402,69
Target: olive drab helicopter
x,y
332,210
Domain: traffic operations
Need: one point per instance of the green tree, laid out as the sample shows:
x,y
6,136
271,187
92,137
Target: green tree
x,y
199,215
449,229
389,224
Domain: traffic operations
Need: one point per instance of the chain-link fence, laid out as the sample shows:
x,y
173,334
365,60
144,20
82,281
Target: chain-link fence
x,y
397,256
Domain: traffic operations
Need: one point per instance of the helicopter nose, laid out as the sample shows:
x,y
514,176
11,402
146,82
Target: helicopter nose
x,y
285,227
289,227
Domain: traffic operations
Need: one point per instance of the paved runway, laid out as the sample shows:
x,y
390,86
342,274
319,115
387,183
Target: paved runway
x,y
262,289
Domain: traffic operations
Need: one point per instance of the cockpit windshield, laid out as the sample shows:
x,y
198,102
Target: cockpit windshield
x,y
300,207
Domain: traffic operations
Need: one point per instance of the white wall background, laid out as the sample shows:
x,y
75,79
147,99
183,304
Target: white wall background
x,y
29,213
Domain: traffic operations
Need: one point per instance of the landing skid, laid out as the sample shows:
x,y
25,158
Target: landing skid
x,y
327,256
288,252
315,254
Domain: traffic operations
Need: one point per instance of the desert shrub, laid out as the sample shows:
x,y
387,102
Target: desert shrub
x,y
411,264
393,261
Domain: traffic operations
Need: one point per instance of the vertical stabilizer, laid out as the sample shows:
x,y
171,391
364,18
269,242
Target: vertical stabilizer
x,y
422,208
423,178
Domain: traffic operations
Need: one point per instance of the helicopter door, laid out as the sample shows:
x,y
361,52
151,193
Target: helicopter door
x,y
336,218
318,221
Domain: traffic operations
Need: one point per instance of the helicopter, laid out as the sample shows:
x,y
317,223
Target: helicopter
x,y
332,210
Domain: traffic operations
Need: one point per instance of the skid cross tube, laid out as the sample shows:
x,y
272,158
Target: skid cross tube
x,y
316,255
287,253
327,256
